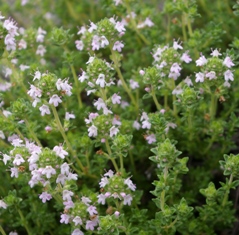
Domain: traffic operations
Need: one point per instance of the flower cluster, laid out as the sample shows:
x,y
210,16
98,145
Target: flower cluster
x,y
80,214
167,64
11,29
115,187
99,74
215,70
48,90
106,32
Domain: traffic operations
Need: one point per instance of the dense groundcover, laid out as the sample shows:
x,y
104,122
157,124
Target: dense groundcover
x,y
119,117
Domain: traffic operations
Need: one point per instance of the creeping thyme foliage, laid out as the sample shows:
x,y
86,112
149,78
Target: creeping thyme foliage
x,y
119,117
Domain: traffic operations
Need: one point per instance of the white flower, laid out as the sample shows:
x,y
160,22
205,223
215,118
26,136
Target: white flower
x,y
100,104
101,80
201,61
199,77
175,68
104,181
186,58
44,110
228,75
18,160
92,131
215,53
6,158
92,27
37,76
176,45
60,152
113,131
69,116
3,204
2,136
130,184
55,100
83,77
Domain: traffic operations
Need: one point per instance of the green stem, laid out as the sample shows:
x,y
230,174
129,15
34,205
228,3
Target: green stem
x,y
121,163
111,157
2,231
162,197
227,192
213,106
33,135
61,129
24,221
122,78
184,28
155,99
135,28
78,91
131,157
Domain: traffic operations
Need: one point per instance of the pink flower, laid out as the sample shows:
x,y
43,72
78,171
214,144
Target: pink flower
x,y
118,46
77,220
65,169
18,160
90,224
151,138
77,232
41,50
186,58
211,75
92,210
228,62
116,99
65,219
66,195
45,197
48,171
85,200
133,84
79,45
101,199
